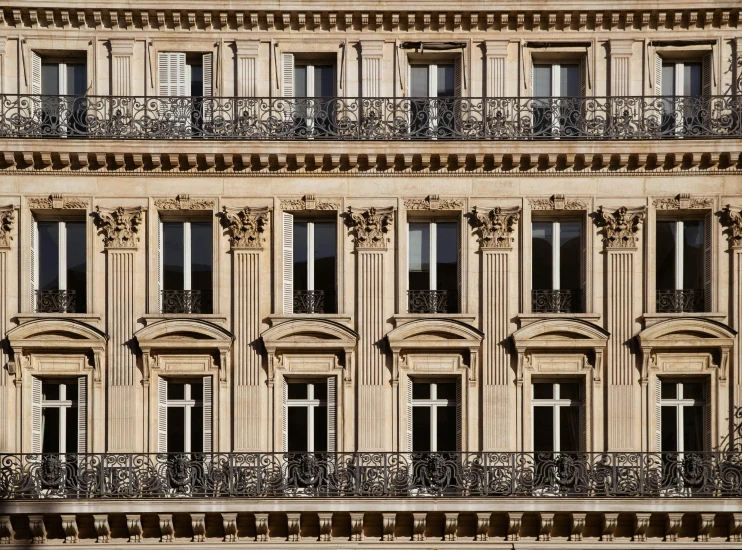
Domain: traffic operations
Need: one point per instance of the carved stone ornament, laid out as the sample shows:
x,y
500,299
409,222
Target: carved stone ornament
x,y
619,228
245,226
495,226
732,220
557,202
433,202
119,227
7,221
309,202
58,202
371,227
184,202
683,201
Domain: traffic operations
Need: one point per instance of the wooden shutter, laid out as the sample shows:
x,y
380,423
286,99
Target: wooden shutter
x,y
172,73
34,262
82,414
583,417
706,75
35,73
285,422
459,414
458,76
287,82
658,415
583,268
36,435
162,415
409,414
332,414
460,255
208,416
288,263
208,65
160,267
708,417
657,74
583,76
708,252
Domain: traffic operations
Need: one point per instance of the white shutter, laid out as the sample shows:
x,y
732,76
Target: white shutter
x,y
159,265
36,435
657,74
708,251
172,73
409,414
287,82
706,72
208,417
708,417
658,415
34,262
285,422
208,65
35,73
162,415
288,263
82,414
332,414
459,414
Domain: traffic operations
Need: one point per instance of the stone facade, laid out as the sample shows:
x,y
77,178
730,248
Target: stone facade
x,y
248,163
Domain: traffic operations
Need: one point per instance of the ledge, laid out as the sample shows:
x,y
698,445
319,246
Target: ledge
x,y
650,319
403,318
90,318
342,318
215,318
525,319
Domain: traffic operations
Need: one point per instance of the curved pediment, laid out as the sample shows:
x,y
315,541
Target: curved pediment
x,y
434,333
185,333
567,333
56,333
309,334
687,333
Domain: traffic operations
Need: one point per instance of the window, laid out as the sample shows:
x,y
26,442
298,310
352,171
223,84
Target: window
x,y
681,265
558,89
557,422
186,261
310,85
185,415
59,423
61,85
682,85
434,411
58,266
682,422
309,413
187,77
433,89
433,267
557,267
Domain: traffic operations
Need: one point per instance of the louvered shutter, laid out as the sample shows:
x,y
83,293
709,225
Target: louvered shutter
x,y
708,251
172,74
583,418
34,271
287,82
332,414
285,420
459,415
657,74
208,416
458,305
36,435
658,415
288,263
208,102
409,414
459,114
82,415
160,267
706,72
161,415
583,76
582,299
708,418
35,74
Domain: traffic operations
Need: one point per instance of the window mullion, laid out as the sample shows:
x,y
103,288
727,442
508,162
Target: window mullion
x,y
433,258
679,254
555,279
310,255
187,256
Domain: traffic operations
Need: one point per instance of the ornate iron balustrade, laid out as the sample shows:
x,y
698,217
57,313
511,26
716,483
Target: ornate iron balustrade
x,y
428,301
493,118
309,301
185,301
56,301
562,300
681,301
274,475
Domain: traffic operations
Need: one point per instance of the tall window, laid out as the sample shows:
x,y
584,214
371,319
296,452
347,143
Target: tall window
x,y
433,88
186,265
185,416
681,256
556,267
62,84
187,77
556,417
681,420
59,266
433,267
59,428
309,409
310,87
558,92
681,84
434,408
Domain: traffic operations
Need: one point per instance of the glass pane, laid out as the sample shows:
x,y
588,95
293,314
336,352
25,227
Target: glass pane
x,y
197,80
543,429
419,84
301,230
297,390
446,81
692,79
669,390
175,390
172,256
197,429
693,254
320,391
570,256
50,78
569,429
77,263
446,429
48,255
693,434
71,392
419,253
669,434
668,80
542,241
175,429
71,433
570,391
542,81
76,79
693,390
569,81
50,430
49,391
201,262
446,390
197,391
447,258
421,429
665,254
325,267
320,429
542,390
324,81
420,390
297,430
300,81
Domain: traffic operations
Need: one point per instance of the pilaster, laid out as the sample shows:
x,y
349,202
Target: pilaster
x,y
7,221
122,52
731,218
247,67
371,60
496,52
620,53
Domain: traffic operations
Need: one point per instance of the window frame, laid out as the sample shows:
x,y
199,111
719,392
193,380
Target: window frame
x,y
556,403
189,406
433,404
680,404
65,406
309,404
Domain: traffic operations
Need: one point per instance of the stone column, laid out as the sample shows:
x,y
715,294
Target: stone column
x,y
246,229
120,228
372,53
620,230
496,52
621,67
495,229
7,221
731,218
370,233
122,51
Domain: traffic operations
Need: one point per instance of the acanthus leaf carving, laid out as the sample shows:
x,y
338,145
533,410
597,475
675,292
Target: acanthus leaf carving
x,y
683,201
119,227
731,218
57,201
433,202
557,202
184,202
7,221
371,227
246,227
495,226
309,202
620,227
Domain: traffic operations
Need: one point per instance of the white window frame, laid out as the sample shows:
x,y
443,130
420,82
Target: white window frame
x,y
679,75
186,252
309,403
433,256
556,403
556,253
681,403
432,88
189,405
433,403
65,406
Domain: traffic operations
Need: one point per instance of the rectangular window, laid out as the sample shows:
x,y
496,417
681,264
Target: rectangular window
x,y
188,77
59,266
433,88
683,85
557,249
682,423
315,266
434,409
433,267
59,416
557,407
62,85
309,409
315,106
558,90
681,250
185,416
186,266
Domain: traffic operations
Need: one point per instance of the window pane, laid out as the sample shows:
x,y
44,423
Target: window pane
x,y
665,254
175,429
197,391
77,263
542,81
50,430
421,429
320,429
419,77
201,262
419,253
447,270
692,79
71,433
668,79
446,390
693,390
76,79
543,429
297,426
570,255
197,80
446,429
325,267
446,81
197,429
669,390
693,429
71,392
669,434
175,390
542,254
324,81
570,391
569,429
420,390
301,229
172,256
542,390
297,390
48,255
300,81
50,391
693,254
320,391
50,78
569,81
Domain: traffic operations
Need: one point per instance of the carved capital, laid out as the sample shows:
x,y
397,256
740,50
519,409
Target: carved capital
x,y
7,221
245,227
496,226
370,227
620,227
731,219
119,227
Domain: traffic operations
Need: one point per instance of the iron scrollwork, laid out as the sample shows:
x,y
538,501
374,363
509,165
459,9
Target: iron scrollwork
x,y
56,301
680,301
428,301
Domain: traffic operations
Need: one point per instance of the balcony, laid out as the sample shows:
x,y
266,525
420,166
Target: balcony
x,y
185,301
56,301
563,300
309,301
681,301
428,301
215,118
402,475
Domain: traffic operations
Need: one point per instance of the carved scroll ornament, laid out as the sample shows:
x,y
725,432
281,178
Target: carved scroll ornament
x,y
245,227
119,227
371,227
620,227
434,202
184,202
731,218
683,201
496,226
57,201
7,221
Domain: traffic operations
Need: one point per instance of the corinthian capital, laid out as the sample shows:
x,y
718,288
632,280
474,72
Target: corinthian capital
x,y
370,227
119,227
496,226
245,226
7,221
620,227
731,218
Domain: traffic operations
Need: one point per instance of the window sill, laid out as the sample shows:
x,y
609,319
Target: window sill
x,y
525,319
650,319
90,318
215,318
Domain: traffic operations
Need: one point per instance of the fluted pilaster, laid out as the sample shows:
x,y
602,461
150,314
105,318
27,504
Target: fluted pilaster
x,y
621,67
372,55
247,66
122,52
496,52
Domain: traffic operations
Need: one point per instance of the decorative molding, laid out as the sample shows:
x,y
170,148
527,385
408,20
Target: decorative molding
x,y
246,227
57,201
7,221
496,226
619,228
732,220
184,202
371,227
309,202
683,201
557,202
102,528
434,202
119,227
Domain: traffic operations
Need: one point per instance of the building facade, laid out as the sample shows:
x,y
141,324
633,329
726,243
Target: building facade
x,y
371,273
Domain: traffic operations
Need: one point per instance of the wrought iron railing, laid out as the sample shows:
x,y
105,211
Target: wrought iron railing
x,y
428,301
56,301
309,301
681,301
483,474
185,301
563,300
492,118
